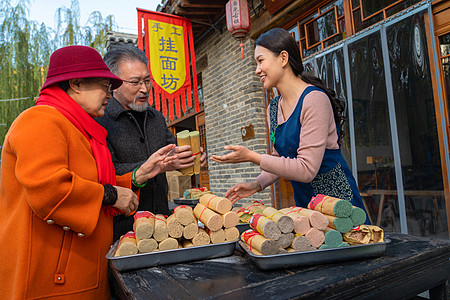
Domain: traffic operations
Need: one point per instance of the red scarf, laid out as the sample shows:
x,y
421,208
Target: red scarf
x,y
96,135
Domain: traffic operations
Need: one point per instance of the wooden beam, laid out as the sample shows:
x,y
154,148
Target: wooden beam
x,y
186,3
197,11
222,2
202,18
348,18
184,117
198,21
173,6
267,21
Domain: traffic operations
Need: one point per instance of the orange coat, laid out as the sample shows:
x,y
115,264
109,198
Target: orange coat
x,y
54,234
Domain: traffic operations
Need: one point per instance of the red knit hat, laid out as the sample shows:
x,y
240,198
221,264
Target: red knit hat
x,y
78,62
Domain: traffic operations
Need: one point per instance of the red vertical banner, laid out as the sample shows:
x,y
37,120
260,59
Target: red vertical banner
x,y
169,46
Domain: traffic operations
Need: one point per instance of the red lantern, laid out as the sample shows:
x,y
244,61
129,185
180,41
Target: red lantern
x,y
238,20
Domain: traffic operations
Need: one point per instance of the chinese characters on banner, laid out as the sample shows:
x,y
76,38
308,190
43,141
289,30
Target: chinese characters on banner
x,y
168,46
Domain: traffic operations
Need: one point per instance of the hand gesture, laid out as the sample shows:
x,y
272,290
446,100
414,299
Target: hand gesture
x,y
202,158
157,163
127,201
184,158
242,190
239,154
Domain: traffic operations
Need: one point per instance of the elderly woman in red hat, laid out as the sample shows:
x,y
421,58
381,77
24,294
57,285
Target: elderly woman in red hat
x,y
58,188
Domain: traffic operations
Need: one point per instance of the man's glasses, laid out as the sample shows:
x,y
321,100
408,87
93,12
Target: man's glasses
x,y
136,83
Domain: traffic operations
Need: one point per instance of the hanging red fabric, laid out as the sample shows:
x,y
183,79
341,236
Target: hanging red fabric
x,y
168,43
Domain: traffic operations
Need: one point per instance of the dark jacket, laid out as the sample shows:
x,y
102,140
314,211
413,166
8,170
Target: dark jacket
x,y
130,148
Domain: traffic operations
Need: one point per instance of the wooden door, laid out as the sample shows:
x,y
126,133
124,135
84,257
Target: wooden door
x,y
200,124
173,130
286,193
441,82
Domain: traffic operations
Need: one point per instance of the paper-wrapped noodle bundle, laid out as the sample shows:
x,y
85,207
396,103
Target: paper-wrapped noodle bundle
x,y
331,206
195,148
183,139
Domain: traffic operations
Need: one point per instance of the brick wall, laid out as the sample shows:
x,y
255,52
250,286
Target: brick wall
x,y
233,98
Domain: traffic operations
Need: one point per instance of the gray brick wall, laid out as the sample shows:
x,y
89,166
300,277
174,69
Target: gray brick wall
x,y
233,98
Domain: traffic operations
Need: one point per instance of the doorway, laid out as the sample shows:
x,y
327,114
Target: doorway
x,y
441,82
191,123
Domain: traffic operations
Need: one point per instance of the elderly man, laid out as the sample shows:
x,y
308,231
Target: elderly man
x,y
136,130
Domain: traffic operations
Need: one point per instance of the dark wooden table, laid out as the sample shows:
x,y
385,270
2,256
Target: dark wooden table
x,y
410,266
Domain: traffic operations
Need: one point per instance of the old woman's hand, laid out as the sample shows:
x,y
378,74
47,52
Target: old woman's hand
x,y
127,201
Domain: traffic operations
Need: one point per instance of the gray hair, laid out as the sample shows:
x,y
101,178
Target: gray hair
x,y
123,52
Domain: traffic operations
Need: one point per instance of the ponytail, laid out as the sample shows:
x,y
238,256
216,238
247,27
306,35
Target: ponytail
x,y
336,103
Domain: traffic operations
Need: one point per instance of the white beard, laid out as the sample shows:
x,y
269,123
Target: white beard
x,y
139,108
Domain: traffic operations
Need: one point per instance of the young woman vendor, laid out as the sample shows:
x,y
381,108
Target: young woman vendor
x,y
305,129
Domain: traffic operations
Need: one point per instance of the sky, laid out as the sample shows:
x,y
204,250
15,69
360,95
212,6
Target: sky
x,y
124,11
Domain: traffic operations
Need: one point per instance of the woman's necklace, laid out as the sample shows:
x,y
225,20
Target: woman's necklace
x,y
286,107
286,111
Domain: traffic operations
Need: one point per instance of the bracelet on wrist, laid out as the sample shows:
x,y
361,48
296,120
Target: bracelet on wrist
x,y
133,179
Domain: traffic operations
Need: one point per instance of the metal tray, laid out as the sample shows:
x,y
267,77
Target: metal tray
x,y
190,202
242,227
153,259
299,259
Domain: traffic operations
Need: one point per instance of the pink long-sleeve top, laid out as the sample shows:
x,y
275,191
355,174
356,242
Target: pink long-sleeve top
x,y
318,132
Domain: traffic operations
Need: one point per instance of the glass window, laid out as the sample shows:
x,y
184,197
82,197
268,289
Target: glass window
x,y
417,128
309,67
307,52
374,154
359,24
341,24
332,40
294,31
332,73
444,42
374,11
400,6
339,6
446,73
302,32
321,28
371,7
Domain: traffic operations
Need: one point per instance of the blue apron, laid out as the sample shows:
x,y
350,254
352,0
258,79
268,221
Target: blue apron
x,y
334,177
